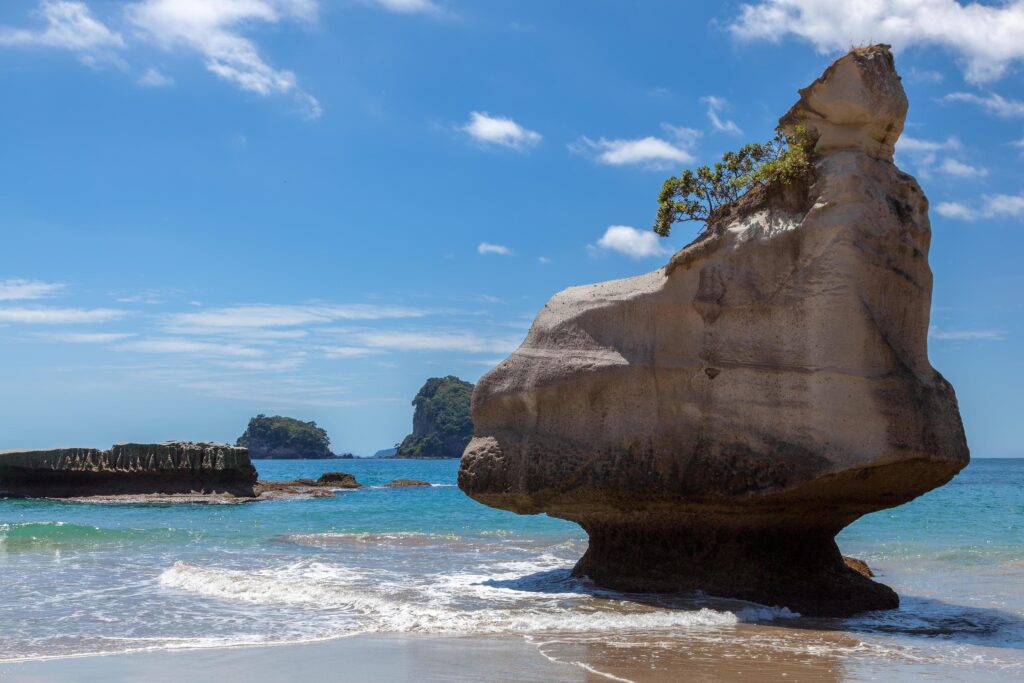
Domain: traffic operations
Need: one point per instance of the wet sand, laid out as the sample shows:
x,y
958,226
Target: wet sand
x,y
410,658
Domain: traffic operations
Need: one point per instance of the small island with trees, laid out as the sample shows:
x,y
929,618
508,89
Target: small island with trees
x,y
285,438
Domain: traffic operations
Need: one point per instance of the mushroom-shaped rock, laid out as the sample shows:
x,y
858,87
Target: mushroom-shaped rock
x,y
714,424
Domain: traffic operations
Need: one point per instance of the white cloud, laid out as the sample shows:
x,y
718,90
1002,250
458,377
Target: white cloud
x,y
468,342
69,26
496,130
717,105
348,351
17,289
544,259
488,248
992,206
956,210
965,335
909,144
649,152
1005,205
154,78
631,242
993,103
986,37
191,347
1018,143
264,315
961,170
58,316
406,6
85,337
214,30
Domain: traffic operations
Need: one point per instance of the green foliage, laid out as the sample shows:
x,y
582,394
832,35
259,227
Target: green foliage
x,y
284,437
442,424
697,194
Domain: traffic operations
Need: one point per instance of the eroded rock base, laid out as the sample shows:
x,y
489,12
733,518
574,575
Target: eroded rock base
x,y
803,571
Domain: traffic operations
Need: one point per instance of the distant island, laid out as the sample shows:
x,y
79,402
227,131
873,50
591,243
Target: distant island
x,y
442,424
285,438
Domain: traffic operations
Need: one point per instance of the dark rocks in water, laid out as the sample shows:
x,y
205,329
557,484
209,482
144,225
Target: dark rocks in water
x,y
339,480
175,467
714,424
401,483
306,488
285,438
442,424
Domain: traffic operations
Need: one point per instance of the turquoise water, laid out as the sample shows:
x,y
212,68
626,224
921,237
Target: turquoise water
x,y
87,578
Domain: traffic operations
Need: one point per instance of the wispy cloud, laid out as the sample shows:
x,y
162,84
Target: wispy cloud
x,y
986,37
631,242
68,26
58,316
497,130
489,248
191,347
715,106
154,78
911,144
992,102
18,289
650,152
406,6
925,157
962,170
348,351
468,342
215,30
990,206
84,337
265,315
965,335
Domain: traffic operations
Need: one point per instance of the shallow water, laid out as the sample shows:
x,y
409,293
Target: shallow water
x,y
86,578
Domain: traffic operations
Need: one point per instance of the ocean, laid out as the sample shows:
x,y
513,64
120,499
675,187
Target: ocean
x,y
82,579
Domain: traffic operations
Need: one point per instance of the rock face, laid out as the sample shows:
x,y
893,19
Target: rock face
x,y
442,424
130,468
714,424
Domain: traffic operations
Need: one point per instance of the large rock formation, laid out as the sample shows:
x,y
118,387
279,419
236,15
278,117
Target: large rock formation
x,y
713,424
130,468
441,424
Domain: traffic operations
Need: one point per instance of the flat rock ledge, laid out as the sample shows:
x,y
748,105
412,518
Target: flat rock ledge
x,y
323,487
713,424
174,468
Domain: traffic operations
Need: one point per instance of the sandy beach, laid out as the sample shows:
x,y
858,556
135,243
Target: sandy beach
x,y
411,658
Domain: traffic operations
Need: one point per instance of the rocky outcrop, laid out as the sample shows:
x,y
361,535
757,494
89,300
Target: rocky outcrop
x,y
322,487
340,480
405,483
714,424
175,467
442,424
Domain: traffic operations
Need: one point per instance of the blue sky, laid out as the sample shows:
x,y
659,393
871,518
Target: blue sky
x,y
211,209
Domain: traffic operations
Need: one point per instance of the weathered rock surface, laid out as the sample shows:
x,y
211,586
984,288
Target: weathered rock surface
x,y
175,467
403,483
714,424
